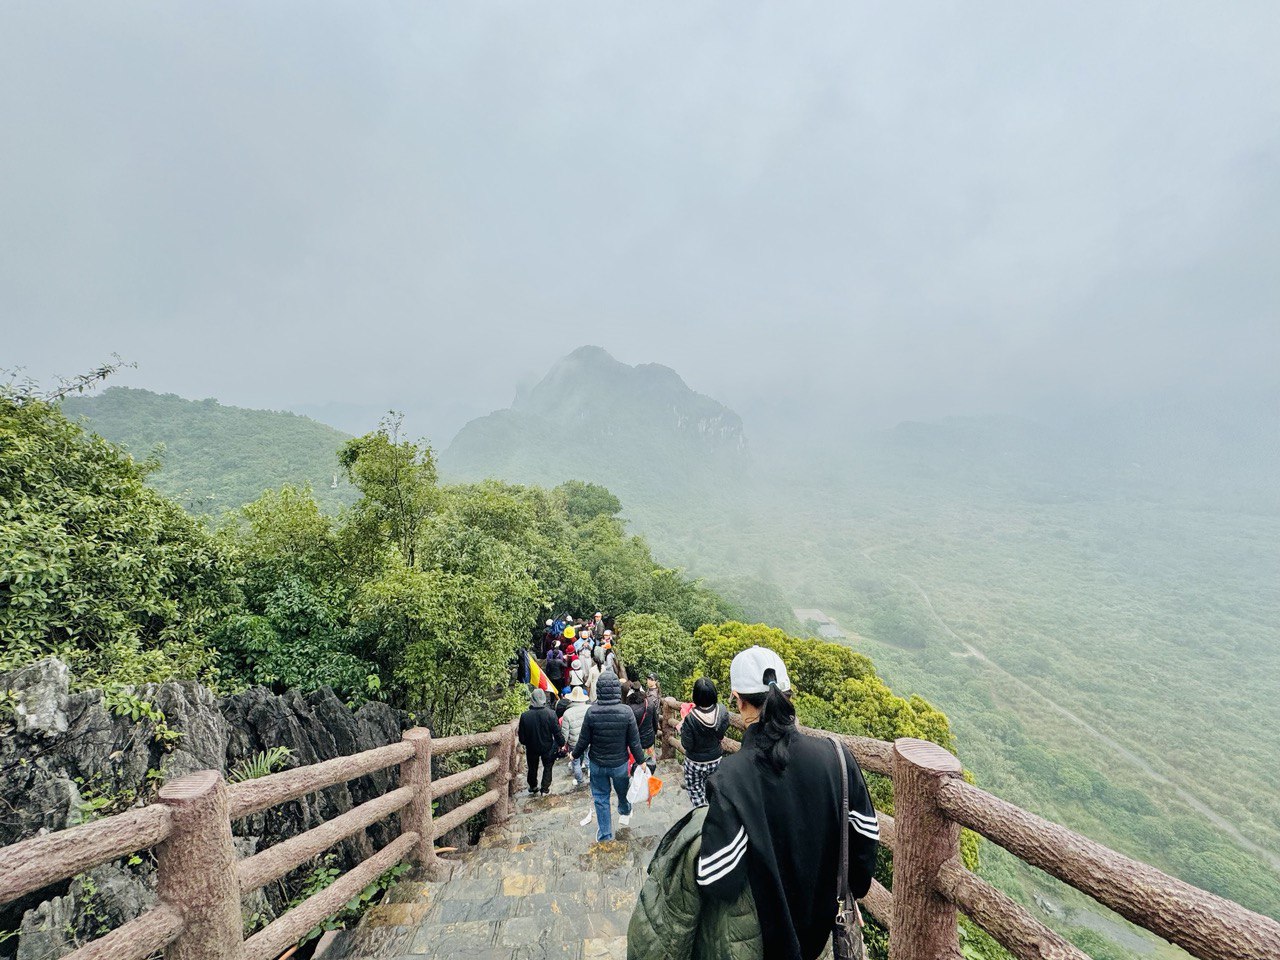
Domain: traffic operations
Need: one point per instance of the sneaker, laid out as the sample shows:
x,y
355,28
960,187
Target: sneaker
x,y
624,819
546,793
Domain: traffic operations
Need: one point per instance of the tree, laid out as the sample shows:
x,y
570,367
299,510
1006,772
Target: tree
x,y
657,644
95,567
583,502
397,480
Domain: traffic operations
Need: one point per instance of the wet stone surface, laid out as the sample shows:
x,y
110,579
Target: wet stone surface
x,y
537,888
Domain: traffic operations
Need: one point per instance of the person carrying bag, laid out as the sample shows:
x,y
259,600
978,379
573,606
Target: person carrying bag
x,y
782,879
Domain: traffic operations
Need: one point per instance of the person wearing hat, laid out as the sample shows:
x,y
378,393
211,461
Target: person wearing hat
x,y
774,817
700,736
577,673
540,734
571,726
597,626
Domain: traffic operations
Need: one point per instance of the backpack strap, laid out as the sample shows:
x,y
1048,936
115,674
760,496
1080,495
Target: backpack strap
x,y
842,884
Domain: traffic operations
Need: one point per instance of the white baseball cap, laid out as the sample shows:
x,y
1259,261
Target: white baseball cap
x,y
746,673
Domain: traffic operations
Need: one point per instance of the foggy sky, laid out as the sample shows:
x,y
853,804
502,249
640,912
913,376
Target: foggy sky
x,y
884,210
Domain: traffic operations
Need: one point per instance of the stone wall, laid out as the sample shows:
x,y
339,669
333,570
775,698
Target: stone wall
x,y
67,756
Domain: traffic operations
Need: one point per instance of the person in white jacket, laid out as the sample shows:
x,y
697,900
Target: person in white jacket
x,y
571,726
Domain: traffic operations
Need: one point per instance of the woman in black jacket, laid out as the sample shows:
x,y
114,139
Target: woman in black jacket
x,y
774,817
700,736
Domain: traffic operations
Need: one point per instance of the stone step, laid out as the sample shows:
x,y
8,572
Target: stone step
x,y
536,888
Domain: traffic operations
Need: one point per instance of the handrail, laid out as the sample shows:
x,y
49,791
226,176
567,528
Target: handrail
x,y
927,784
146,934
871,754
274,862
466,741
40,861
1008,921
1202,923
200,878
253,796
276,936
455,782
879,901
201,881
461,814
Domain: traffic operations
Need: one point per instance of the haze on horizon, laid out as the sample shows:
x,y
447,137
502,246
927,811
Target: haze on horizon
x,y
874,212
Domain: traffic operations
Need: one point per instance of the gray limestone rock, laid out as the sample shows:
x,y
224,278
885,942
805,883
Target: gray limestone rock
x,y
39,694
67,756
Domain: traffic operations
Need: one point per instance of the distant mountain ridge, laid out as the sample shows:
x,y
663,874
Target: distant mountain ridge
x,y
214,457
640,430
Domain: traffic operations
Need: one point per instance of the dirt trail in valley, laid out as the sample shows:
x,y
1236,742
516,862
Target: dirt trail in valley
x,y
1195,803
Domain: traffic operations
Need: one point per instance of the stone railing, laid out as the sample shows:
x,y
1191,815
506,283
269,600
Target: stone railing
x,y
200,881
930,884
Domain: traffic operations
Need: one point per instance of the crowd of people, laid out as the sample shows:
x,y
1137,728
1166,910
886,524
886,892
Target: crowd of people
x,y
754,840
588,709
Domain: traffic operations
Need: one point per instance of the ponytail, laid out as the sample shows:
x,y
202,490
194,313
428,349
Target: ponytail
x,y
776,724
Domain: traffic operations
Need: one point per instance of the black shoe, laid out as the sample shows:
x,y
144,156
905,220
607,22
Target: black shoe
x,y
546,793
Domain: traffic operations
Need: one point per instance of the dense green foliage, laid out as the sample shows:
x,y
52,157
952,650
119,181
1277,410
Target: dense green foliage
x,y
659,645
98,568
418,593
213,457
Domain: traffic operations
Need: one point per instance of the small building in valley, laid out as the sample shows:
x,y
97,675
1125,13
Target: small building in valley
x,y
826,627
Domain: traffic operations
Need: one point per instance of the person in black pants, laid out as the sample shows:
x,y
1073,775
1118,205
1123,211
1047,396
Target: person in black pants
x,y
540,733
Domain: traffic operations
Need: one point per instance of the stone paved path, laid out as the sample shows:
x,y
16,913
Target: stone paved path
x,y
537,888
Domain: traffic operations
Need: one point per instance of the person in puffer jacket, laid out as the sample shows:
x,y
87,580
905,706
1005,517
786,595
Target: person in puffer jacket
x,y
609,731
571,725
700,736
673,921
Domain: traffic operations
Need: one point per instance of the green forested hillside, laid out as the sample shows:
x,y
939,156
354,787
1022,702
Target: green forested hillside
x,y
213,457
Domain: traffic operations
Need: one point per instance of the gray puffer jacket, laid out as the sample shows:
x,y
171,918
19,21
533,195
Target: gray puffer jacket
x,y
571,722
609,728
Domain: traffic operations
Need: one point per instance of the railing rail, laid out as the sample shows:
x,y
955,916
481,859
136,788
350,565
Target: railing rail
x,y
200,884
932,803
200,881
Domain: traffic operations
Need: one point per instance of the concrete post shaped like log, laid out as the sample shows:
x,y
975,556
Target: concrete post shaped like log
x,y
196,869
416,817
499,780
924,923
668,728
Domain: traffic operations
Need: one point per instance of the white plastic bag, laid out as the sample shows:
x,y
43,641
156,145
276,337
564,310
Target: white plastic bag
x,y
638,791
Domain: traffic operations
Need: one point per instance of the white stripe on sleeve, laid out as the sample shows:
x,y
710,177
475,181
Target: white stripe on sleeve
x,y
712,861
725,867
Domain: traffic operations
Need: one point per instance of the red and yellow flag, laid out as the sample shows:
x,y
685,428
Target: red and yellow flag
x,y
536,677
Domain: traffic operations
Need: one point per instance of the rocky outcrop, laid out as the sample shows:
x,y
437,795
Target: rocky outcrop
x,y
66,757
